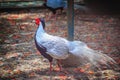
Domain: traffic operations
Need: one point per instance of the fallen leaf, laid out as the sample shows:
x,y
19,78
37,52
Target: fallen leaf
x,y
82,70
62,77
17,71
57,69
91,72
53,31
22,27
1,62
116,77
26,54
14,16
12,22
87,66
16,36
11,55
38,53
32,74
14,79
79,70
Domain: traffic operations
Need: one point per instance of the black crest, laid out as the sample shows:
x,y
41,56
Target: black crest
x,y
43,22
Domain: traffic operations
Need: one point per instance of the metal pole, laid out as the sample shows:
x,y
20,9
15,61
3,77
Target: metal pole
x,y
70,17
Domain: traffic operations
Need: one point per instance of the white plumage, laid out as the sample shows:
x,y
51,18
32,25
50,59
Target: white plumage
x,y
56,46
60,48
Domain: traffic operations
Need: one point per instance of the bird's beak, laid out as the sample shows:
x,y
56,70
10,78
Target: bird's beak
x,y
33,21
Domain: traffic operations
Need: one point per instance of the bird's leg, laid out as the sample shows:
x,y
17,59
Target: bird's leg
x,y
59,64
50,70
50,66
60,67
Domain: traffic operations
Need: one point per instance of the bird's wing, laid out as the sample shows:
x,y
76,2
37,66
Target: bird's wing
x,y
56,46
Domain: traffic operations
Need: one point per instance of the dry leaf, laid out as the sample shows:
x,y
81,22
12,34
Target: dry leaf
x,y
32,74
91,72
62,77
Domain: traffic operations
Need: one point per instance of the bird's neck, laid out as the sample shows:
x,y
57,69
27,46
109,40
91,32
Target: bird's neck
x,y
40,31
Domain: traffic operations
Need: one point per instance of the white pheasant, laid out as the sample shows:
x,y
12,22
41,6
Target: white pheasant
x,y
59,48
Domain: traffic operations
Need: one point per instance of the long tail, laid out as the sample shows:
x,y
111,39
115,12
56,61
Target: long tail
x,y
82,54
96,58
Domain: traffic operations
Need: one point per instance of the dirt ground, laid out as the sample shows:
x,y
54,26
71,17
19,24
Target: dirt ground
x,y
19,59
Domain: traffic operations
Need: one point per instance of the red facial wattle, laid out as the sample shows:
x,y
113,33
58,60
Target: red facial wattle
x,y
37,21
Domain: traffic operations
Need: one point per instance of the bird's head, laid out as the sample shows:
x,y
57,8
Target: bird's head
x,y
40,21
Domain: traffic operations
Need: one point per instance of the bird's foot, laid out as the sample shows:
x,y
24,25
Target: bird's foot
x,y
50,71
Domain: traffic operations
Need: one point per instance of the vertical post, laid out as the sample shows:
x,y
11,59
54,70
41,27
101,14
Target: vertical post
x,y
70,17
